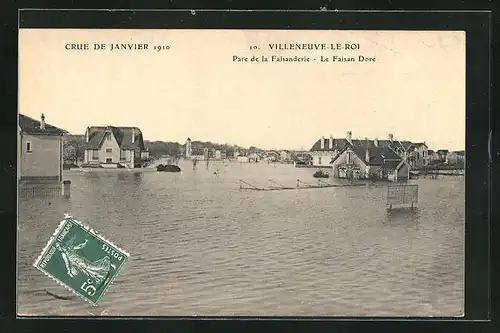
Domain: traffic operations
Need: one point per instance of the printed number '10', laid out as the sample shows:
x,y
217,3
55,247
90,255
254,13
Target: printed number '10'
x,y
88,288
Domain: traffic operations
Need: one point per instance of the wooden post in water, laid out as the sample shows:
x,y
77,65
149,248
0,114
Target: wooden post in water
x,y
66,188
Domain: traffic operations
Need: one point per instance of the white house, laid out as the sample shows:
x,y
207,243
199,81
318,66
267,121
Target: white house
x,y
114,147
254,157
370,162
218,155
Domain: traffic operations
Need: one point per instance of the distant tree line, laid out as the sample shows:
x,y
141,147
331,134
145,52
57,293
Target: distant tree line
x,y
175,149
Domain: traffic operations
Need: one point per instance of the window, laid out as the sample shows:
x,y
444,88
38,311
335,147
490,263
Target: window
x,y
109,160
319,160
349,157
123,155
109,150
95,154
28,147
108,136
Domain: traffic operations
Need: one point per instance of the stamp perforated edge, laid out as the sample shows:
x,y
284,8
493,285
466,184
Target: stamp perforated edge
x,y
93,233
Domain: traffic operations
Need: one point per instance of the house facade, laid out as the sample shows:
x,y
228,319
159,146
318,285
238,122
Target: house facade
x,y
285,156
40,151
370,163
113,147
455,158
442,153
254,157
325,150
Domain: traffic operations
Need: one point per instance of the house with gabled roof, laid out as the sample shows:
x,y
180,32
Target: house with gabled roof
x,y
326,149
114,147
365,162
40,151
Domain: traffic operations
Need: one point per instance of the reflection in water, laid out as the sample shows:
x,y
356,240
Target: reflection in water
x,y
200,246
402,217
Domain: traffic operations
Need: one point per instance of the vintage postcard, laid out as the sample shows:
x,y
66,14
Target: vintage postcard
x,y
248,172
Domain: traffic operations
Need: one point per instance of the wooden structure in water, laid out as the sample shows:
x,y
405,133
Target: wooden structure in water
x,y
274,186
402,196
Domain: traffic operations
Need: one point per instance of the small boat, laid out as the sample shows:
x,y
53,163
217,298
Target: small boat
x,y
168,168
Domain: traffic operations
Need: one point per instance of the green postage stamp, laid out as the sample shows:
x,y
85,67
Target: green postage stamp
x,y
81,260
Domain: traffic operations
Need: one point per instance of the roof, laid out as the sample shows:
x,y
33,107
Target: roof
x,y
460,152
419,144
339,144
443,151
390,165
378,155
32,126
123,136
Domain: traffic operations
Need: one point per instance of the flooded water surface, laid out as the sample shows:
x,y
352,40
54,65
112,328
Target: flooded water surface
x,y
201,246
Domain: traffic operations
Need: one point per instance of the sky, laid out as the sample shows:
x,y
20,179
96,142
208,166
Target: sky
x,y
415,88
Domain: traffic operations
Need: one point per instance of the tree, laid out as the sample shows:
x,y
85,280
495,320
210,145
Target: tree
x,y
69,153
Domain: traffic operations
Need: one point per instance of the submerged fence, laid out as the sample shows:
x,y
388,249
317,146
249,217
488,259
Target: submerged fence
x,y
402,195
44,191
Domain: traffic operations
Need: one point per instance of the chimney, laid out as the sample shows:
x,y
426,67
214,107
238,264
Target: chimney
x,y
322,140
375,142
87,134
42,123
133,134
349,136
391,137
367,156
330,145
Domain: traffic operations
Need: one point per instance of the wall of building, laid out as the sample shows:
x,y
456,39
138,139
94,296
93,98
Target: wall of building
x,y
114,155
354,160
45,159
117,155
322,158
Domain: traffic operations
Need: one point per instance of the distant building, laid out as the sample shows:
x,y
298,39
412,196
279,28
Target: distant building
x,y
272,156
218,155
370,162
418,155
242,159
113,147
254,157
285,156
189,149
455,158
442,153
40,151
325,150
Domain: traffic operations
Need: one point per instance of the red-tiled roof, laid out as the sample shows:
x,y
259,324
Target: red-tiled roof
x,y
32,126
